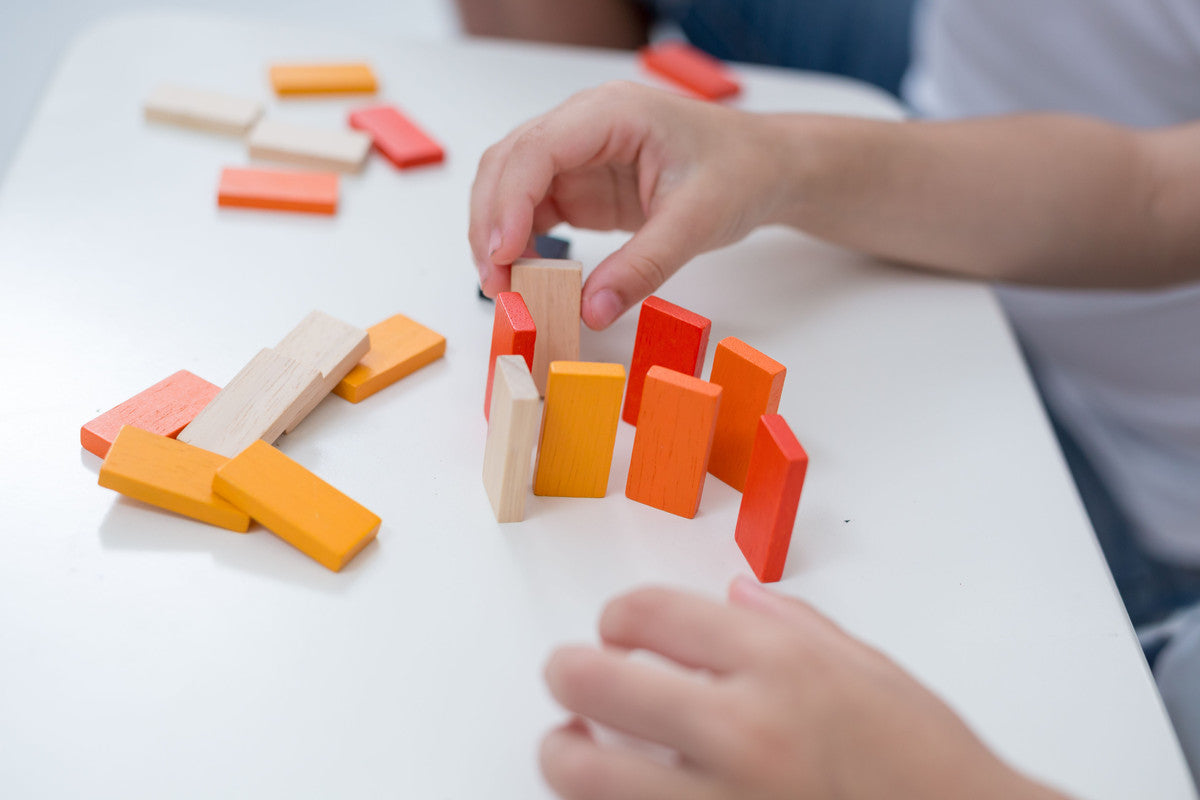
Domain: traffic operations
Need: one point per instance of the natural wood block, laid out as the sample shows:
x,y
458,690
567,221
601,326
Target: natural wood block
x,y
323,78
579,429
399,347
329,346
691,68
296,505
513,333
773,484
753,384
278,190
667,335
674,438
551,289
169,474
316,148
165,408
397,137
512,431
203,110
258,403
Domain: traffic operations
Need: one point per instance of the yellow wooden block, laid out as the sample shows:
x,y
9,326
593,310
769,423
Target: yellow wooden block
x,y
399,347
169,474
579,429
295,505
322,78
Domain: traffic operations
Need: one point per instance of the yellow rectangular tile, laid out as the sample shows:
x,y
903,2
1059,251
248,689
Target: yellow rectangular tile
x,y
579,429
399,347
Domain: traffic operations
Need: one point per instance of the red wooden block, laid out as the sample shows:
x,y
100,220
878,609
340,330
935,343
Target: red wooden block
x,y
764,527
691,68
279,190
667,336
397,137
165,408
513,334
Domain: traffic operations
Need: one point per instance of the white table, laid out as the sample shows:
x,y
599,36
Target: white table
x,y
145,655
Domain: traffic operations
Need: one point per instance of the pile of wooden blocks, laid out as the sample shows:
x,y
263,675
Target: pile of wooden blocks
x,y
205,452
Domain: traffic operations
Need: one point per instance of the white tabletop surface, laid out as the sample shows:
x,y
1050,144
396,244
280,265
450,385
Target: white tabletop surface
x,y
145,655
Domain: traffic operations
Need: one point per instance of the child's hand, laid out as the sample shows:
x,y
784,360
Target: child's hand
x,y
787,706
687,176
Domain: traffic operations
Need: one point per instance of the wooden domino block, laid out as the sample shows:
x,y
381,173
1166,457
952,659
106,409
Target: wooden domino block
x,y
258,403
399,347
207,111
667,335
278,190
329,346
773,484
165,408
691,68
348,78
169,474
753,384
512,431
395,135
513,333
296,505
579,429
670,450
316,148
551,288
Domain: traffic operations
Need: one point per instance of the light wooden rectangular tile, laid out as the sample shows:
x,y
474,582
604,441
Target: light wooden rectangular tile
x,y
329,346
203,110
317,148
551,289
512,432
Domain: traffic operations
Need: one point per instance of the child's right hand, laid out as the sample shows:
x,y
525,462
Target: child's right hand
x,y
686,176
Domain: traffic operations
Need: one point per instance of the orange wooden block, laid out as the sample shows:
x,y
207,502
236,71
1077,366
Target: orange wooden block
x,y
165,408
673,441
279,190
773,484
579,429
399,347
322,78
690,68
667,335
296,505
171,475
753,384
513,334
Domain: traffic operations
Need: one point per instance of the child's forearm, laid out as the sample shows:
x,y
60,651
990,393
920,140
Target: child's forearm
x,y
1041,199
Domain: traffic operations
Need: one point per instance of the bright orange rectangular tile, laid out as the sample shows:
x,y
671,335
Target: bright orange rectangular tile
x,y
296,505
399,347
674,438
169,474
579,429
691,68
773,484
753,384
278,190
165,408
322,78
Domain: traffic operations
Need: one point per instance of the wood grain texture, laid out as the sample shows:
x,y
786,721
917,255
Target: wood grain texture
x,y
296,505
213,112
667,335
674,438
399,347
512,432
397,137
774,482
171,475
579,429
329,346
323,78
278,190
316,148
513,333
165,408
551,289
753,384
257,404
691,68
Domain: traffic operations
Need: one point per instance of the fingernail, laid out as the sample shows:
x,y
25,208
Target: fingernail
x,y
606,307
485,270
495,242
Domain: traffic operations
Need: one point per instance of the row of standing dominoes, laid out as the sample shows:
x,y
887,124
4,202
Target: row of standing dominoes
x,y
186,446
686,427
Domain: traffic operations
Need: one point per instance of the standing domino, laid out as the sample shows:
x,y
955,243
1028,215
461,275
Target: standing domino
x,y
753,384
773,484
513,333
551,288
512,431
668,335
579,429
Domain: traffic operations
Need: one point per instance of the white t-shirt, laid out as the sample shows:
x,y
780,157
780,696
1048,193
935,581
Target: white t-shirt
x,y
1121,369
